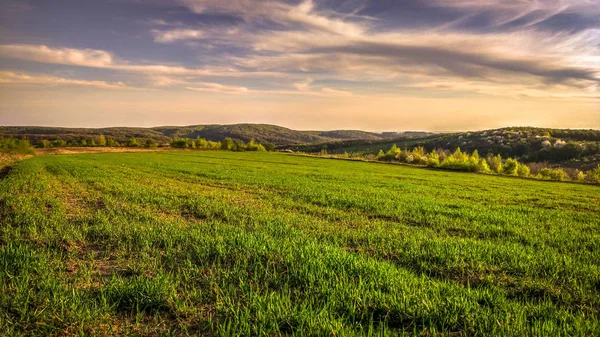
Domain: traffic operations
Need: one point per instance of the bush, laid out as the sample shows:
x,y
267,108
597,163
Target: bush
x,y
268,146
523,170
553,174
595,175
15,146
181,143
226,144
510,167
132,142
252,146
151,143
59,143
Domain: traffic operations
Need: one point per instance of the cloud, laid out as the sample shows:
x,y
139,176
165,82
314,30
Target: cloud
x,y
104,60
325,44
216,87
522,13
44,54
293,42
302,89
167,36
12,78
302,15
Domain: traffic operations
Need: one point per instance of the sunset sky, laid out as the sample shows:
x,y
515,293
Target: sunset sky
x,y
379,65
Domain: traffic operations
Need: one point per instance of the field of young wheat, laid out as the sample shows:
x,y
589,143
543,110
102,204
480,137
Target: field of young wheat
x,y
268,244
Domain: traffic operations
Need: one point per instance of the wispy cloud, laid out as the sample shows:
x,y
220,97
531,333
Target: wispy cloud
x,y
103,59
216,87
12,78
167,36
522,13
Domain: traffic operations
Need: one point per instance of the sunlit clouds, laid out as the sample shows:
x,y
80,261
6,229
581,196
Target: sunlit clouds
x,y
317,56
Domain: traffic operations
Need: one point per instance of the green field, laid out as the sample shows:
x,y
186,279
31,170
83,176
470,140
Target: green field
x,y
257,244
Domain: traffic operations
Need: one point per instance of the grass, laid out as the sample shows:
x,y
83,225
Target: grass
x,y
266,244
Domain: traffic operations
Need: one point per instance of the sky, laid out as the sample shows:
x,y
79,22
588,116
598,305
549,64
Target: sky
x,y
379,65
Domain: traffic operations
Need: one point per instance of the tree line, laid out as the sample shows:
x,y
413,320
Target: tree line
x,y
22,146
473,162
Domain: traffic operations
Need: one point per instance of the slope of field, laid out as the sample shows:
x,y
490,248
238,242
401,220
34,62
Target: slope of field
x,y
259,132
265,244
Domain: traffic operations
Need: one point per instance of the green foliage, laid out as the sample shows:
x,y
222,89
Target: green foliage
x,y
181,143
553,174
265,244
15,146
112,143
523,170
511,167
268,146
132,142
151,143
495,163
59,142
101,140
595,175
252,146
45,144
226,144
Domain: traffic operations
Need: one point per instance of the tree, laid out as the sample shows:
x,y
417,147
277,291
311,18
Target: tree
x,y
132,142
151,143
482,166
523,170
226,144
253,146
495,163
59,142
433,159
510,167
269,146
180,143
45,143
102,141
201,143
595,174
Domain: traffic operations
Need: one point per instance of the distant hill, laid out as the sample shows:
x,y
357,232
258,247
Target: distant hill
x,y
570,148
259,132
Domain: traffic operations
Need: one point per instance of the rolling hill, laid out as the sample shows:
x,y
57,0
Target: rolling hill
x,y
259,132
564,147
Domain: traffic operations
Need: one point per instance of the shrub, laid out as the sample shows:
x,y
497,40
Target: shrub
x,y
226,144
201,143
550,174
15,146
510,167
59,142
523,170
595,175
132,142
268,146
45,144
433,159
483,166
111,142
151,143
180,143
252,146
495,163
